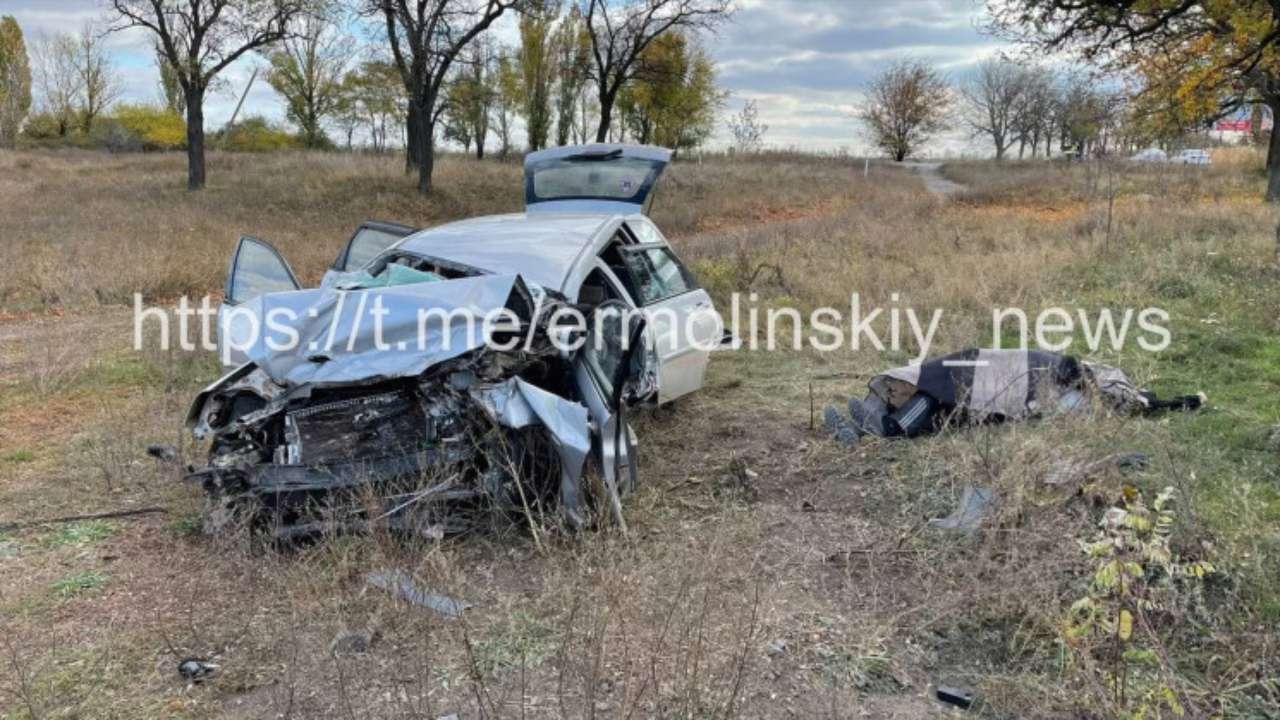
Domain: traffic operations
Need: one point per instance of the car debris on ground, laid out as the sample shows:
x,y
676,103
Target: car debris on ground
x,y
975,503
990,385
402,585
955,696
196,670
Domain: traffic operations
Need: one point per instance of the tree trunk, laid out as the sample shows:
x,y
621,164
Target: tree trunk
x,y
426,152
1278,244
1273,154
412,129
606,116
480,149
195,139
313,130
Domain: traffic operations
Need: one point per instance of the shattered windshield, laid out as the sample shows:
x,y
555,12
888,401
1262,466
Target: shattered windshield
x,y
391,274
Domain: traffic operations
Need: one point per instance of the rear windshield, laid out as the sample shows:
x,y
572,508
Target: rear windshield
x,y
623,179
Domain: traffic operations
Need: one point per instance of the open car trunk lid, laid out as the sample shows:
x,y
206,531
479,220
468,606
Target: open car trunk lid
x,y
596,178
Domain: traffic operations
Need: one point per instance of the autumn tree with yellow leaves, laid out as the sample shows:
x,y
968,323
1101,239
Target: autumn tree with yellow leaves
x,y
1195,60
673,99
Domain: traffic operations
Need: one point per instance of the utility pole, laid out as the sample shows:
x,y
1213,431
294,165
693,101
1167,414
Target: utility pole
x,y
227,132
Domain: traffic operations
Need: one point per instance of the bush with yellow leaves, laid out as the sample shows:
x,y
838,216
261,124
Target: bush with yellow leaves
x,y
1140,589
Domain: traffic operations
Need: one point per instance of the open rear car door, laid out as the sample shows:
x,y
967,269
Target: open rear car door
x,y
256,268
597,178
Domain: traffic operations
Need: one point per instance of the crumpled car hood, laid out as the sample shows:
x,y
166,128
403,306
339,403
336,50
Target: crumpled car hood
x,y
337,338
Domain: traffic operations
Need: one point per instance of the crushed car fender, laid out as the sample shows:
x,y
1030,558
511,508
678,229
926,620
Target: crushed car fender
x,y
518,404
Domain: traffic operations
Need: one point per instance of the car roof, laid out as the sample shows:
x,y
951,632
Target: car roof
x,y
542,248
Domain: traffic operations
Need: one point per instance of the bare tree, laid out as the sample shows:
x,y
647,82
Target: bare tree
x,y
1088,115
995,97
748,132
200,38
1035,120
620,30
426,37
99,83
57,79
308,70
906,105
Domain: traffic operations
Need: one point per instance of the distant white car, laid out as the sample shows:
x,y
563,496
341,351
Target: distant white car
x,y
1150,155
1193,157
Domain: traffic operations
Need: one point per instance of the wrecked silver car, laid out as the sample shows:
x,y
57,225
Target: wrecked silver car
x,y
437,375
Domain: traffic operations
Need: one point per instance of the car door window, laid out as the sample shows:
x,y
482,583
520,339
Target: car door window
x,y
368,242
655,272
644,231
611,330
257,269
604,347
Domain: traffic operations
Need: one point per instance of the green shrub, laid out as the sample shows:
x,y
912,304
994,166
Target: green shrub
x,y
145,127
40,126
111,134
257,134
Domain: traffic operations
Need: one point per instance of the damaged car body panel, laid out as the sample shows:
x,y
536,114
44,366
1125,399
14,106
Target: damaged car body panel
x,y
335,343
329,421
290,428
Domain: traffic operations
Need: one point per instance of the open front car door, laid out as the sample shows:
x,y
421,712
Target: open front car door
x,y
615,369
366,243
256,268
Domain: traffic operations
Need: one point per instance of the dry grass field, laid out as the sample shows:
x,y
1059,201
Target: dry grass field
x,y
769,572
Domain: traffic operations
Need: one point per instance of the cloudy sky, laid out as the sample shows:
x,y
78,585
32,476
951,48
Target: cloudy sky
x,y
803,61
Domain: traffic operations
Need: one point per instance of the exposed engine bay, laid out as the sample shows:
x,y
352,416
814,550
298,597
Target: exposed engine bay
x,y
483,432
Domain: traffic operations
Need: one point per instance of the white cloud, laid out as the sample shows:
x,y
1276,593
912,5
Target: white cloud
x,y
803,61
